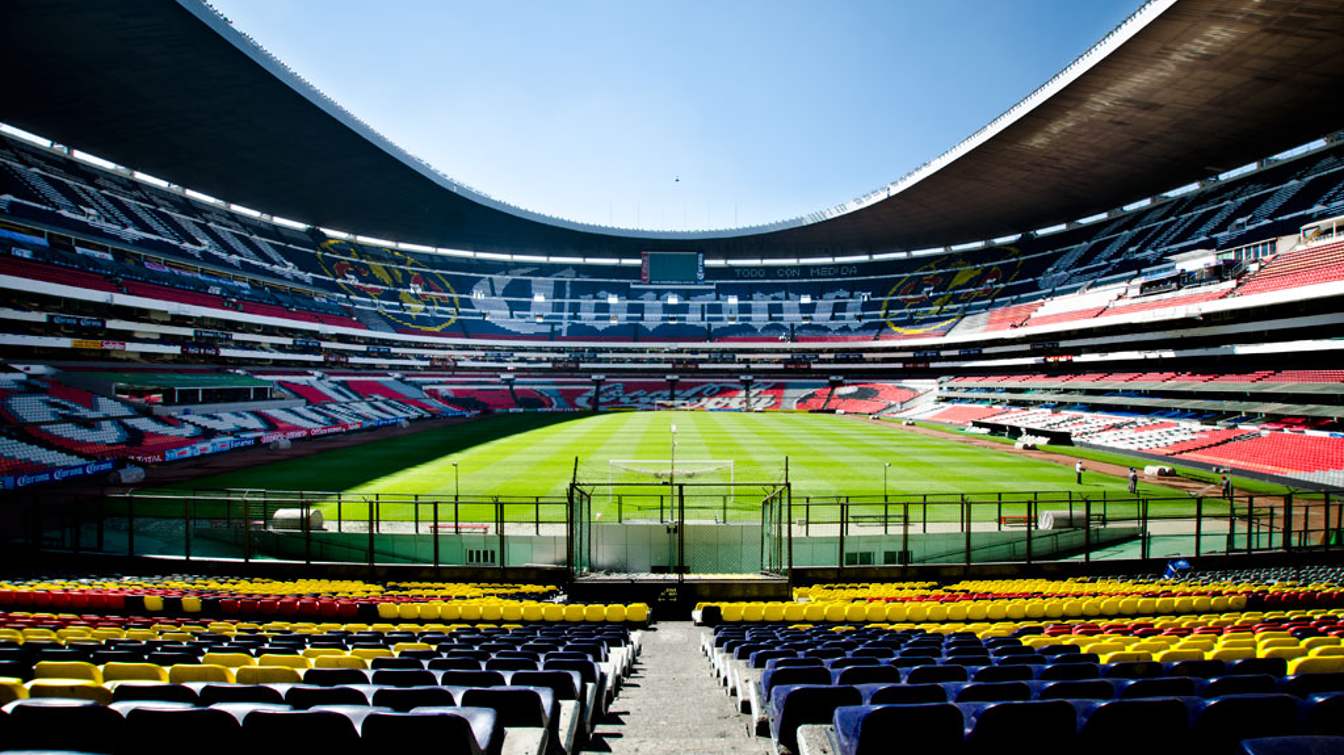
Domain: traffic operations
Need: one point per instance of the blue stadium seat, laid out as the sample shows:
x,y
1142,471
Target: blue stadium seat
x,y
874,730
59,724
472,731
1225,721
403,699
1000,727
170,730
792,706
304,696
316,731
1123,727
902,694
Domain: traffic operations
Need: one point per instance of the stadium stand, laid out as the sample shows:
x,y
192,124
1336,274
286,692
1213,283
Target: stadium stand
x,y
965,667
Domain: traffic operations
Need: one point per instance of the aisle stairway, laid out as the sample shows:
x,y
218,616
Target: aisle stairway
x,y
671,705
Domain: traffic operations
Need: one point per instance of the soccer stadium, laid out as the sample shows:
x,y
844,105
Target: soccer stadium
x,y
1038,447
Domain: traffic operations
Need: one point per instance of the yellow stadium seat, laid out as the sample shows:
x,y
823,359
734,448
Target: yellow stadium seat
x,y
936,612
1179,654
794,612
153,603
191,604
492,612
67,670
1278,642
231,660
1326,651
408,611
856,613
183,673
119,672
597,612
1316,665
1286,653
553,612
896,612
1230,654
835,612
361,653
292,661
574,613
513,612
637,613
388,611
428,611
1123,656
11,689
1311,643
267,675
343,661
319,652
876,612
615,614
80,689
532,612
450,611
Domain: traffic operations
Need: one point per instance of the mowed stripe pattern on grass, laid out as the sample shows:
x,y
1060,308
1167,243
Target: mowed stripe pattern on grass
x,y
534,455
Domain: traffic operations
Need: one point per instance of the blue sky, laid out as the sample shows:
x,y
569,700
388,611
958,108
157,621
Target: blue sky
x,y
592,110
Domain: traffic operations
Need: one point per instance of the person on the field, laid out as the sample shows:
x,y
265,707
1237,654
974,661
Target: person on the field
x,y
1227,486
1133,481
1078,471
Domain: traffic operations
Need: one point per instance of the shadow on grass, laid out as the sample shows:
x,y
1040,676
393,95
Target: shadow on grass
x,y
349,467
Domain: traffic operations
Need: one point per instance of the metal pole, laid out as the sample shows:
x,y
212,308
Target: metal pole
x,y
130,524
1199,524
966,521
905,532
340,515
1143,528
415,504
844,525
1087,530
1288,522
186,528
1031,522
434,533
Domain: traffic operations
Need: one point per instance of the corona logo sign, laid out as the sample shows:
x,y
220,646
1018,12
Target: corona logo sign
x,y
404,291
930,299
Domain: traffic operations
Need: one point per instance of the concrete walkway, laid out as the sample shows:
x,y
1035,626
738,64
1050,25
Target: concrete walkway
x,y
673,704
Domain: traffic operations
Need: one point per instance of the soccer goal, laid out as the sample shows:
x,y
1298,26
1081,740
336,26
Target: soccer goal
x,y
637,480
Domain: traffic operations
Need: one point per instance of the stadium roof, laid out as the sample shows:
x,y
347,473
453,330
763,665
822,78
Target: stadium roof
x,y
1180,91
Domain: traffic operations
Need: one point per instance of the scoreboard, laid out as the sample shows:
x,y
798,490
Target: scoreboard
x,y
672,267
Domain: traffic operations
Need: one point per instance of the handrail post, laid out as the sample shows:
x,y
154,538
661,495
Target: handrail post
x,y
499,526
1031,525
844,525
1143,529
1287,540
340,515
415,504
186,528
905,533
434,535
306,508
1199,524
130,524
966,525
1087,529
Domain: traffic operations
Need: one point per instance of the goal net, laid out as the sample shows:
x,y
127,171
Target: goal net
x,y
640,483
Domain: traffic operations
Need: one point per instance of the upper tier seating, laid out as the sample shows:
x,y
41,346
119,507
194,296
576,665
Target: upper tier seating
x,y
1302,267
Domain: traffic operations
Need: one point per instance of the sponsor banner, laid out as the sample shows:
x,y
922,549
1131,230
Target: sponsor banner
x,y
196,348
94,253
379,349
88,343
14,482
335,358
213,335
308,343
92,323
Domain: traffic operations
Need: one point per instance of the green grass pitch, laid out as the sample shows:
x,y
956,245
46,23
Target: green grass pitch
x,y
525,455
